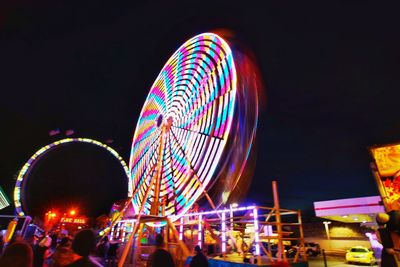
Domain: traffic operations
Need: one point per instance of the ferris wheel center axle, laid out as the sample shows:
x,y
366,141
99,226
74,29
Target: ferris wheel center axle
x,y
164,123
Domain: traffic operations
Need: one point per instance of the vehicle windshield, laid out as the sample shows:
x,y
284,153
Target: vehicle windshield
x,y
359,250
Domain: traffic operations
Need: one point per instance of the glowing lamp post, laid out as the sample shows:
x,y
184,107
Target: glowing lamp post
x,y
50,216
326,223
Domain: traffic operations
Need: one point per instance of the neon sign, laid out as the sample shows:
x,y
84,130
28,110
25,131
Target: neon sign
x,y
73,220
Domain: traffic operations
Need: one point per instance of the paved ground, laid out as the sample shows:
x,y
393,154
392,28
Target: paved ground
x,y
332,262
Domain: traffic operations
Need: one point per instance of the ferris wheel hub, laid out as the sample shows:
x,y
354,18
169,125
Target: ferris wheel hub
x,y
164,122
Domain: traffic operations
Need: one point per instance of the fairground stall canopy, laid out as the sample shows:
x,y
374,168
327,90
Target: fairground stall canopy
x,y
350,210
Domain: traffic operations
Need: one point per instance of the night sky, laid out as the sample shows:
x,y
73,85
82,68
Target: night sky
x,y
331,75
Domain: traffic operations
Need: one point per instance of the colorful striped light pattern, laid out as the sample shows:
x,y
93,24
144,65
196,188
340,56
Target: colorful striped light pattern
x,y
24,172
4,202
197,90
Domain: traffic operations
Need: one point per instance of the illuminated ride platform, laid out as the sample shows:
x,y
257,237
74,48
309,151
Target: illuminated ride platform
x,y
239,236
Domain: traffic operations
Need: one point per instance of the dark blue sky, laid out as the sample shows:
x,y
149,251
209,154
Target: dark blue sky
x,y
331,75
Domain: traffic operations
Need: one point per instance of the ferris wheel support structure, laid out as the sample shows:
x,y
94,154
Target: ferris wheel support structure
x,y
155,206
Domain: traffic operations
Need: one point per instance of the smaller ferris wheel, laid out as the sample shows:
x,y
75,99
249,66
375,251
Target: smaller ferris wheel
x,y
23,175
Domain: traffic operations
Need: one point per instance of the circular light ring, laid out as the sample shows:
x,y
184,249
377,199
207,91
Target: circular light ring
x,y
196,89
24,172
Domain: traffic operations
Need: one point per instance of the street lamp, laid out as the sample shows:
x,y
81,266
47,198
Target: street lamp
x,y
326,223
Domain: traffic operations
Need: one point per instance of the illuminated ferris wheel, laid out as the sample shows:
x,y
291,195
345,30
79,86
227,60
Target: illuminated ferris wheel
x,y
23,175
190,123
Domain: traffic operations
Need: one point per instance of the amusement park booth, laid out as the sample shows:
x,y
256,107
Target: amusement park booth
x,y
348,222
350,210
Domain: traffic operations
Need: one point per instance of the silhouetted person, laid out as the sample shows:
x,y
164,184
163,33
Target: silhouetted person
x,y
63,255
385,238
83,244
160,257
54,238
102,249
41,251
1,243
199,260
112,254
18,254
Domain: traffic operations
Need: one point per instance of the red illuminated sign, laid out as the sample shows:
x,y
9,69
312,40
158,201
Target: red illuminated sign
x,y
73,220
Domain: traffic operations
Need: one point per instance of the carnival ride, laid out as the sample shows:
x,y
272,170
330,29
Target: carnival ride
x,y
23,174
4,202
193,139
187,129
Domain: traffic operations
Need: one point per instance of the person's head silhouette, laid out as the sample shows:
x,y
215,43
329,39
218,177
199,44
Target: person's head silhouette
x,y
159,241
197,249
84,242
18,254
